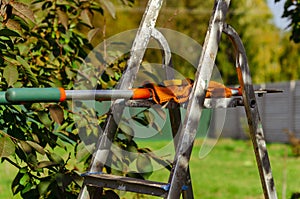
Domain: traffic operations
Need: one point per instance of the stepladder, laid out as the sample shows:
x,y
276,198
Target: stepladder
x,y
184,129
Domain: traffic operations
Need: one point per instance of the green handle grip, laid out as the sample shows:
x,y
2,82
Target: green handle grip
x,y
3,100
19,95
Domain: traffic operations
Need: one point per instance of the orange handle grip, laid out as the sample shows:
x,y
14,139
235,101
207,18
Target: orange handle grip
x,y
141,93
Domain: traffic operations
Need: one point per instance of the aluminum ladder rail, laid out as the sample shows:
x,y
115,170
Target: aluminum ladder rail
x,y
187,132
146,31
217,25
253,117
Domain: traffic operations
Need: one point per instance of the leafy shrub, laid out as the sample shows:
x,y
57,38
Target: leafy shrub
x,y
44,45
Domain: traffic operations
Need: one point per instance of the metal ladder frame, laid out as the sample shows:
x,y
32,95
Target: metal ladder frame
x,y
180,175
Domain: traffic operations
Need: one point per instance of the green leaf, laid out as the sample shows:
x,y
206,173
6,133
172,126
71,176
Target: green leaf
x,y
8,33
43,187
55,158
83,151
15,186
132,151
43,116
149,116
28,71
7,146
27,191
32,160
64,137
126,129
25,179
70,73
23,10
11,74
144,165
110,7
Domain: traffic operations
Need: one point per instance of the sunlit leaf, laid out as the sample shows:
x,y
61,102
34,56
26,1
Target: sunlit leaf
x,y
84,151
12,24
23,10
92,33
25,179
36,146
25,146
110,7
11,74
87,17
63,18
7,146
45,164
70,73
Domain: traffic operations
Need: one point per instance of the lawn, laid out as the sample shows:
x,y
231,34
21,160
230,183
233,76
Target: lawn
x,y
228,171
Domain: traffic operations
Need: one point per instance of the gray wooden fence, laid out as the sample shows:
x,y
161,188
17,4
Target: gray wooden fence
x,y
278,111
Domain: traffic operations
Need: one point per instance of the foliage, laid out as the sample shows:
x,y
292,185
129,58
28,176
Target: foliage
x,y
270,55
42,52
45,45
292,12
266,46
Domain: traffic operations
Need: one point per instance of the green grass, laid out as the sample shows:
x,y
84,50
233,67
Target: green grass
x,y
228,171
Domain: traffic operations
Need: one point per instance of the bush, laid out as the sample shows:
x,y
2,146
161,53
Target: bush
x,y
43,46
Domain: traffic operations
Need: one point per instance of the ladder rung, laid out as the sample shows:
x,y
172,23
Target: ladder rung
x,y
127,184
208,103
223,102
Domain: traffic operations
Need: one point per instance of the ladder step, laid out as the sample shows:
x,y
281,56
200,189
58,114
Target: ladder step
x,y
208,103
223,102
127,184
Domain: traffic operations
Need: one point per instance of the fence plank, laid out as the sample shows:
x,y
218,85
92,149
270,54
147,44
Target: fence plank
x,y
278,111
